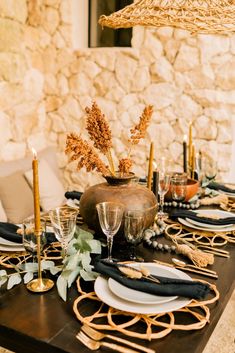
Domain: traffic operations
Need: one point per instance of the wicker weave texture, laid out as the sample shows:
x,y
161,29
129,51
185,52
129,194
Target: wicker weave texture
x,y
196,16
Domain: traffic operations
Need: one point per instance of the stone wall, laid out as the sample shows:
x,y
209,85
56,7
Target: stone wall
x,y
45,86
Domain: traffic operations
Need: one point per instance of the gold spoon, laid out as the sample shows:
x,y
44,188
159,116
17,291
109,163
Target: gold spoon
x,y
183,264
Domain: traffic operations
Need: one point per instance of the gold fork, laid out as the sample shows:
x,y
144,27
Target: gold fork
x,y
96,335
94,345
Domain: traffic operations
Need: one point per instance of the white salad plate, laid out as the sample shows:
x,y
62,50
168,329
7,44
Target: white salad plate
x,y
108,297
136,296
208,227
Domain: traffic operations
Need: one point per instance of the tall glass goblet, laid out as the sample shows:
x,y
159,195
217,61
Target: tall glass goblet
x,y
210,169
63,220
163,187
110,217
134,224
30,239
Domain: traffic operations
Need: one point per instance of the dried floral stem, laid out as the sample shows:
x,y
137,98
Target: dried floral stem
x,y
137,133
110,160
80,150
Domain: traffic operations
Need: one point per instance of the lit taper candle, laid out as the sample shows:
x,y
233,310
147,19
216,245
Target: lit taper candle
x,y
36,196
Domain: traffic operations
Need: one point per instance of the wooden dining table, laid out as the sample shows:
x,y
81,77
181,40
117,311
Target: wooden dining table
x,y
44,323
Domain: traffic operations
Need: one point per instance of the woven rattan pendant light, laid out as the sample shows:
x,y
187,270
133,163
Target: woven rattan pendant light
x,y
196,16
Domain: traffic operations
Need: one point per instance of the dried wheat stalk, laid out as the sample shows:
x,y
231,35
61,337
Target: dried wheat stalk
x,y
87,157
99,132
137,132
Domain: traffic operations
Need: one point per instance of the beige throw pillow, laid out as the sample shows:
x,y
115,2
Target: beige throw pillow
x,y
16,197
3,216
50,188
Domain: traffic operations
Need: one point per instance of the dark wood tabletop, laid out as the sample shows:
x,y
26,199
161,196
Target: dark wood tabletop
x,y
44,323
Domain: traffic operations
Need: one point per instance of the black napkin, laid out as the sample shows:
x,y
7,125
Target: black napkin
x,y
217,186
192,215
8,232
166,287
73,195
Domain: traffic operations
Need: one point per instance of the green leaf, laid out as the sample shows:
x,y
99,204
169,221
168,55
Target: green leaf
x,y
86,260
61,284
3,279
73,276
73,262
3,273
65,274
54,270
88,275
14,279
95,246
28,277
31,267
46,264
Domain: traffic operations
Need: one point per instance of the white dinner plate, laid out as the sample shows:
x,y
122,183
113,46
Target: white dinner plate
x,y
9,243
136,296
11,248
207,213
108,297
205,225
229,194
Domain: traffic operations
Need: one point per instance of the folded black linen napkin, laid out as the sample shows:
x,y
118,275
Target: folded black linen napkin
x,y
8,232
207,220
166,287
220,187
74,195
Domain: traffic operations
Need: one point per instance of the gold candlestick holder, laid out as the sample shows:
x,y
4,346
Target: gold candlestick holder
x,y
39,285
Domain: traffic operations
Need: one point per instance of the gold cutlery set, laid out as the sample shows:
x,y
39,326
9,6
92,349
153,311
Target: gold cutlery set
x,y
94,340
181,265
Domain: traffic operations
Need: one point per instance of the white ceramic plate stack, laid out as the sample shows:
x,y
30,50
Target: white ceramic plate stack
x,y
10,246
208,227
120,297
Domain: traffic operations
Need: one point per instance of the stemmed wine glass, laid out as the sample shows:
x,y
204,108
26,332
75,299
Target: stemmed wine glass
x,y
134,224
110,217
30,239
163,187
210,169
63,220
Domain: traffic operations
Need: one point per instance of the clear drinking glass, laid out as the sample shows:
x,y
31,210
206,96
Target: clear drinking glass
x,y
63,220
134,225
210,168
178,187
110,217
163,187
30,239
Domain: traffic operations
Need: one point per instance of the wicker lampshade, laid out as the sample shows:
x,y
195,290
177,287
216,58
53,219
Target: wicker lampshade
x,y
196,16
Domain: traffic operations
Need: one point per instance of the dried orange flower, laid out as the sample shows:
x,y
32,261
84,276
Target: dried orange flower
x,y
125,165
85,154
98,129
139,130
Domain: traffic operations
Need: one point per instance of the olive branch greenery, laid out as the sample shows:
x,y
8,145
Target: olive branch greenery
x,y
77,262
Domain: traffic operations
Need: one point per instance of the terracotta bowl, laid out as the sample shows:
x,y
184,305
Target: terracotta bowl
x,y
192,189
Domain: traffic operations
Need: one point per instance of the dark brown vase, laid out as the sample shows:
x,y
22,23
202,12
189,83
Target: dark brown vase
x,y
117,189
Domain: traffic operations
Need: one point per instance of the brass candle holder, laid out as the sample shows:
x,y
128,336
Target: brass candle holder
x,y
39,285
